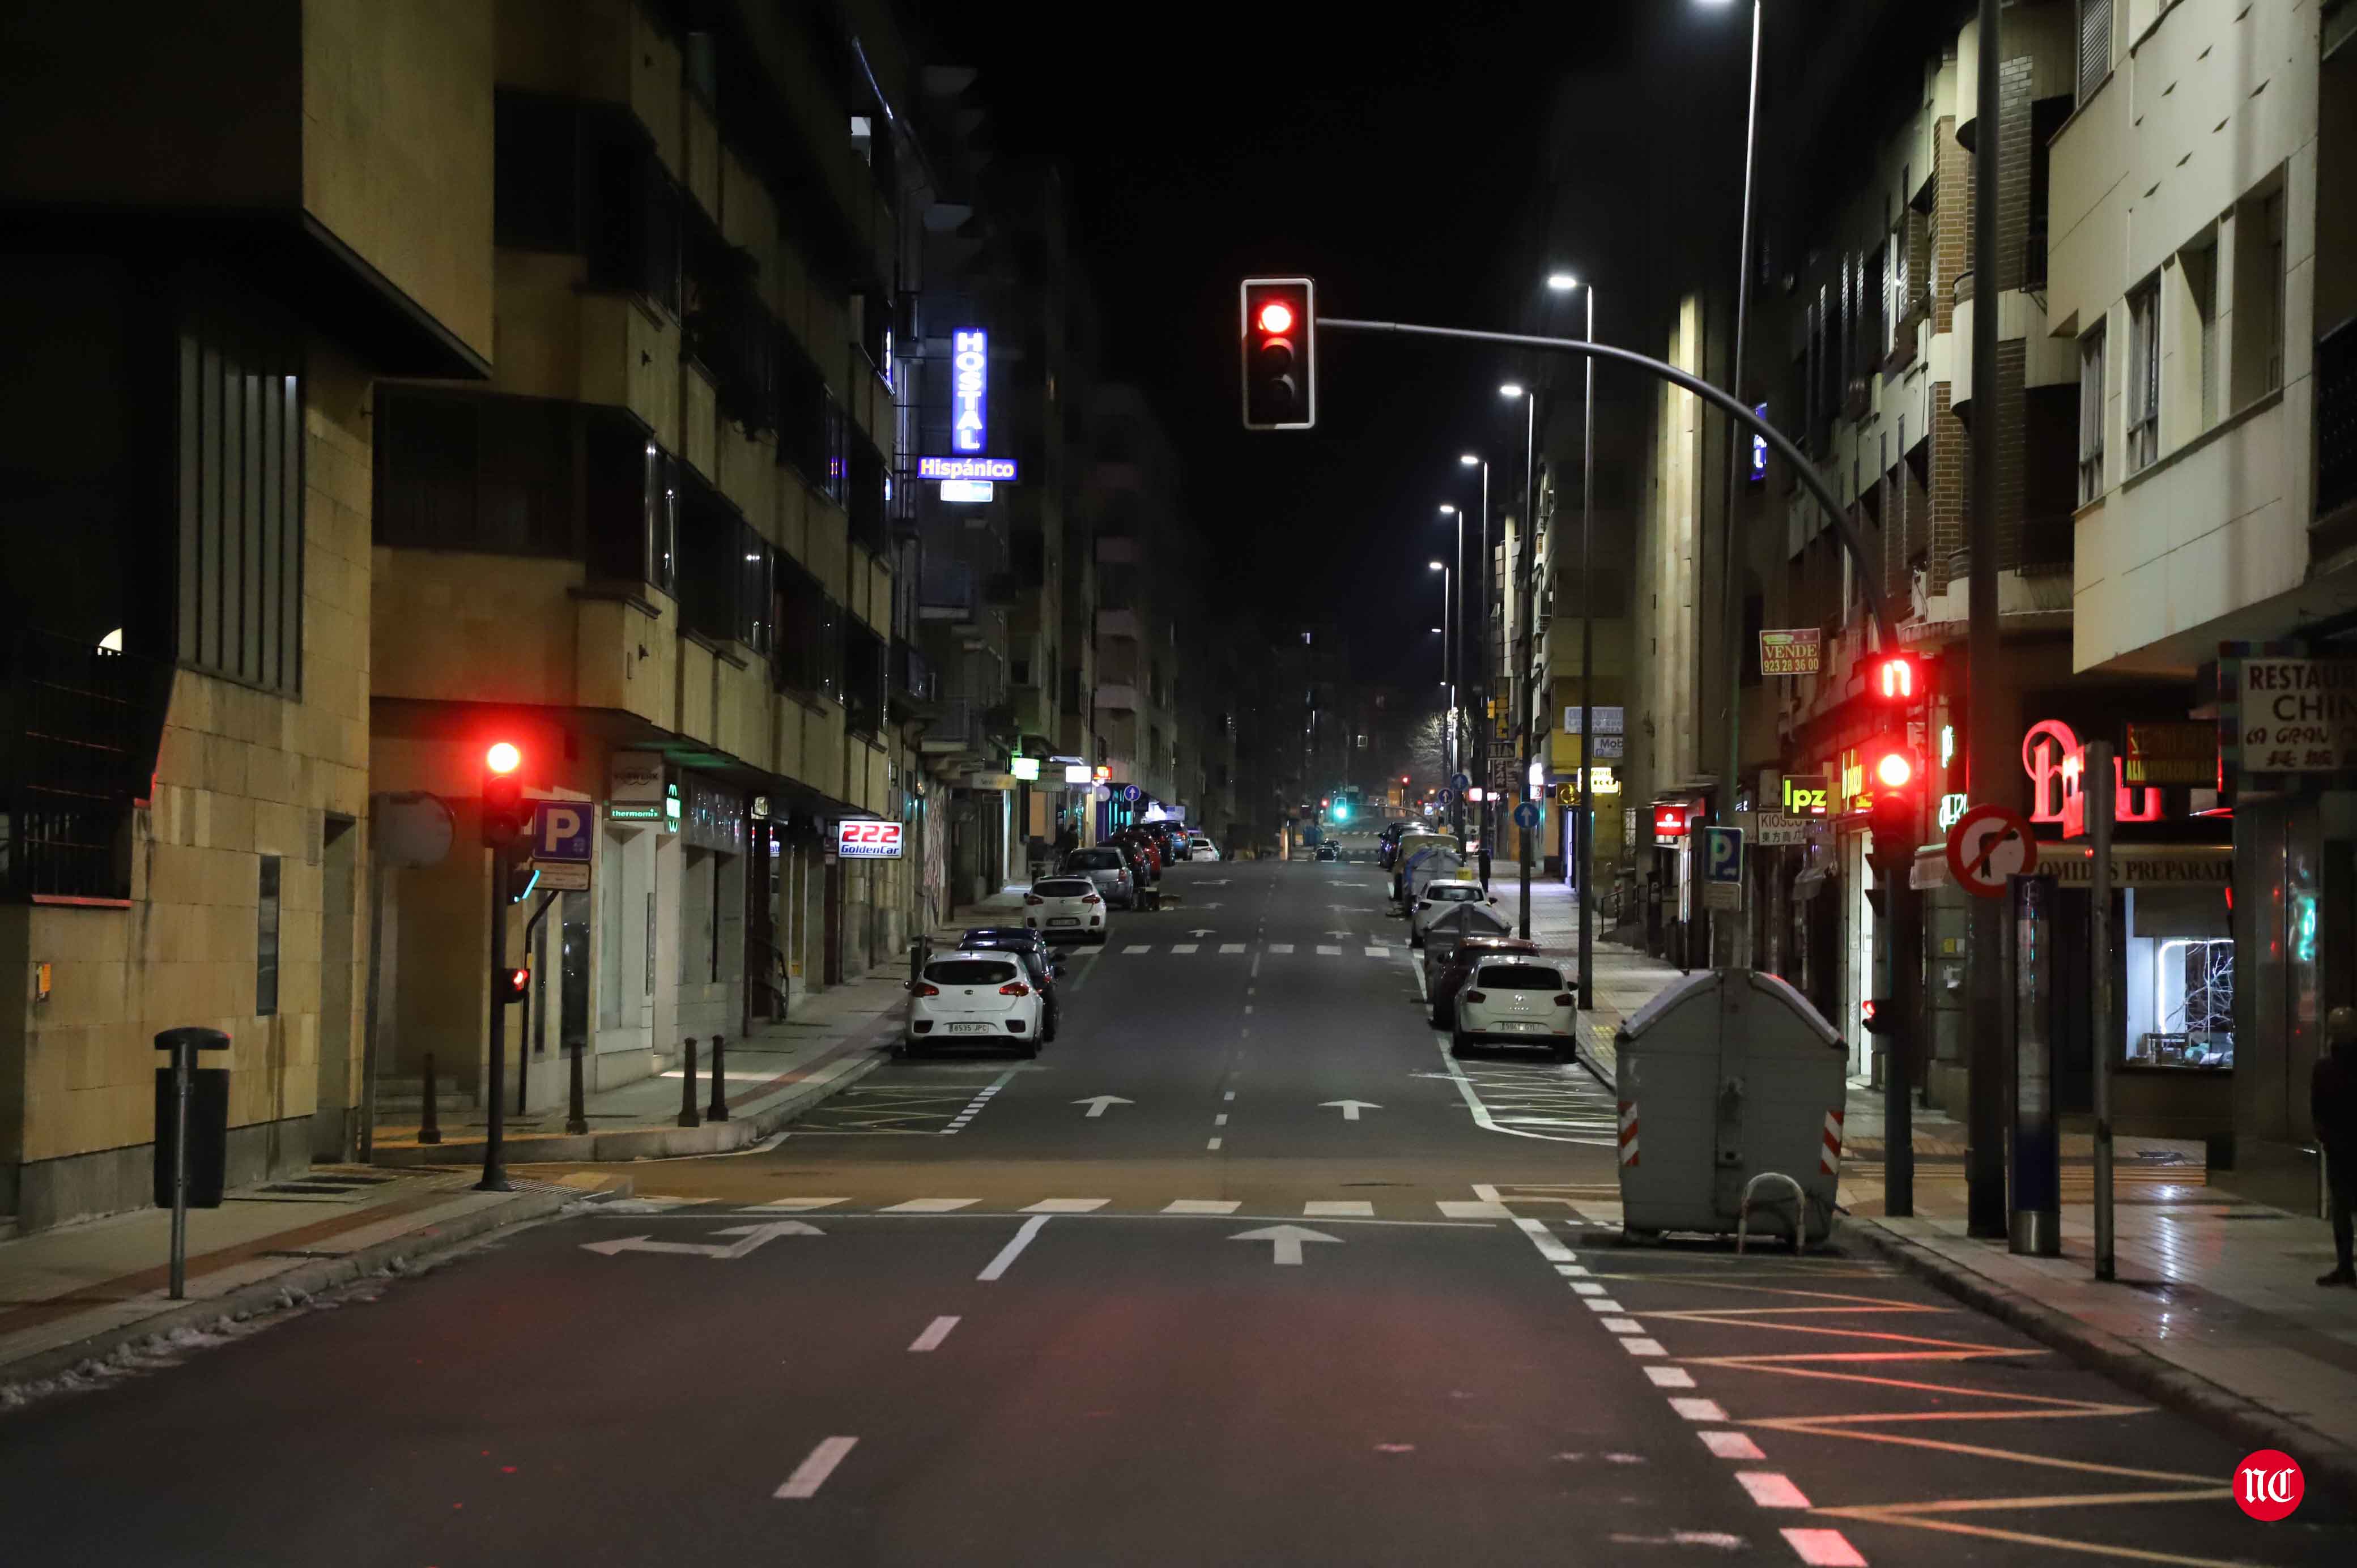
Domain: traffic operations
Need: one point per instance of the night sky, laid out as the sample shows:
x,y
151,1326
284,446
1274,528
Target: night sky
x,y
1408,171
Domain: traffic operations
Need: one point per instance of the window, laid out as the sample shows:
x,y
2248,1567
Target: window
x,y
2200,267
629,504
2258,335
2094,45
699,911
240,414
2091,416
265,940
865,679
808,657
2143,386
464,472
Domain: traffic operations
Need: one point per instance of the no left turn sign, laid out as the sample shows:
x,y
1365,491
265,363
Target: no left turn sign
x,y
1988,844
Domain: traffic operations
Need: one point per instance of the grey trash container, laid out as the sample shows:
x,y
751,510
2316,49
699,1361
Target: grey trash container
x,y
1726,1075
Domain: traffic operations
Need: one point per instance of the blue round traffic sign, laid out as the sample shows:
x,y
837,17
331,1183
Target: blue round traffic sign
x,y
1448,797
1460,781
1526,815
1131,793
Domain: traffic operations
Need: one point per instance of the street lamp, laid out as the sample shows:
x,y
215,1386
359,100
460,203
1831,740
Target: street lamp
x,y
1481,626
1448,647
1734,948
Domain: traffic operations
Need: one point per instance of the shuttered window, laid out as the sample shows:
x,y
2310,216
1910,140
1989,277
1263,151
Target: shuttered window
x,y
2094,45
240,418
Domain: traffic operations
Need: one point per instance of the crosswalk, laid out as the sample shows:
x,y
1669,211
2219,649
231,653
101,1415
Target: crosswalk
x,y
1274,950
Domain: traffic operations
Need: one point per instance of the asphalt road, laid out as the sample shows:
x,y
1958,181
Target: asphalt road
x,y
1299,1291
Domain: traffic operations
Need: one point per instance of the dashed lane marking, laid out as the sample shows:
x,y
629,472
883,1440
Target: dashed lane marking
x,y
1772,1490
1232,946
1727,1444
1202,1206
1474,1209
1327,950
812,1473
935,1332
1823,1547
1184,947
1067,1206
1336,1208
1280,948
929,1206
1669,1377
1699,1410
998,1265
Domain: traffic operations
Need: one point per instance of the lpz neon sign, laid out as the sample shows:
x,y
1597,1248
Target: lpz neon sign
x,y
970,383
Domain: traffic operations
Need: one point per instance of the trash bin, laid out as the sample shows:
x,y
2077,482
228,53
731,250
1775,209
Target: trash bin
x,y
1724,1076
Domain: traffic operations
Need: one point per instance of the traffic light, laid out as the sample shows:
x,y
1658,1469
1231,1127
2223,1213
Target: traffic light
x,y
1280,353
506,819
1894,680
510,985
1895,776
1342,811
1880,1016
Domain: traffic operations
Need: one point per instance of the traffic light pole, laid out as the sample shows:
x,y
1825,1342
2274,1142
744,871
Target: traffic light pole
x,y
1906,953
1777,442
495,1171
1525,698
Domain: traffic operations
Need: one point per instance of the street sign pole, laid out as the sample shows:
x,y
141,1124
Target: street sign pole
x,y
2107,1031
495,1174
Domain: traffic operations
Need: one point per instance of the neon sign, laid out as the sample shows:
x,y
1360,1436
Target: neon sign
x,y
2052,757
969,384
998,469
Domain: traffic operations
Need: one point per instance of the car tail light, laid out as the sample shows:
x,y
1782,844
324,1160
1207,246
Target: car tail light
x,y
1563,999
1090,898
1033,898
1014,988
1475,996
922,989
1015,1026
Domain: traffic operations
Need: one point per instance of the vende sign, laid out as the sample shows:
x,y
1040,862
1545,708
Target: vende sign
x,y
867,840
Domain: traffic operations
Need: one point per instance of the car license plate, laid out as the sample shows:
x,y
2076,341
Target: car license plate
x,y
1064,919
972,1029
1528,1028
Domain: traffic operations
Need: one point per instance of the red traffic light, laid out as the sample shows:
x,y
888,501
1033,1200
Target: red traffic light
x,y
1895,678
506,818
512,984
1894,770
1280,353
503,756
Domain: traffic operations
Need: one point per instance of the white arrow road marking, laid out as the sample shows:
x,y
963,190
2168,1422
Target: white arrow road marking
x,y
750,1237
1287,1240
1013,1249
812,1473
1097,1106
1350,1108
1201,931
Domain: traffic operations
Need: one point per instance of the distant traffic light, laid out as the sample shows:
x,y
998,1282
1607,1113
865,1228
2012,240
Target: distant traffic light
x,y
1280,353
1342,811
1894,679
504,813
510,983
1880,1016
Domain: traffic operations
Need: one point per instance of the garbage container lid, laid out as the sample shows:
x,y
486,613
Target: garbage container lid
x,y
195,1034
1772,985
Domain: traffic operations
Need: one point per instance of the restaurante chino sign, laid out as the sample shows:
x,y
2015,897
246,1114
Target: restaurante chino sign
x,y
2282,712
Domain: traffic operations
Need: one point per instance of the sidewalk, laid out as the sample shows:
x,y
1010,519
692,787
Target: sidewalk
x,y
90,1298
2215,1312
830,1041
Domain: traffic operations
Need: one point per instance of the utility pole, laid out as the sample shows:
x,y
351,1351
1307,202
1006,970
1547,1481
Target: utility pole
x,y
1987,1020
1525,696
1731,930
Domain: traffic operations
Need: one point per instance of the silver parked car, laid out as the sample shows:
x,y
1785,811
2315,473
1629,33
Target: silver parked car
x,y
1104,866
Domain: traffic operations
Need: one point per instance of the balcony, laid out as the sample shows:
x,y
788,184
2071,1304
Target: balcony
x,y
78,732
912,674
949,592
959,728
1119,623
1119,698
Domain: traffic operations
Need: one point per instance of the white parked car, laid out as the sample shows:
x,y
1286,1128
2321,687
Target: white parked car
x,y
974,999
1438,898
1516,1001
1066,908
1201,848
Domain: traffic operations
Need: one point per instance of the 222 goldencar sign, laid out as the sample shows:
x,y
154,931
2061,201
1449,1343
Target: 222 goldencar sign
x,y
867,840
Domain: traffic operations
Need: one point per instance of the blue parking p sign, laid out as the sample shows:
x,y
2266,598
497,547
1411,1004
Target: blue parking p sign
x,y
1722,854
564,834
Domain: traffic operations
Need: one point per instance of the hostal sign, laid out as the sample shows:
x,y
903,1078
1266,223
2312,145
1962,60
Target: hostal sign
x,y
968,388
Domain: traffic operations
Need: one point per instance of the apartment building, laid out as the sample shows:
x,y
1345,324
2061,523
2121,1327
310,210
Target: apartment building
x,y
2203,291
279,207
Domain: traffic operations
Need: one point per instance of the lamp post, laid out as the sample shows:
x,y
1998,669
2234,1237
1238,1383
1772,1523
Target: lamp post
x,y
1520,703
1563,282
1730,932
1448,603
1479,687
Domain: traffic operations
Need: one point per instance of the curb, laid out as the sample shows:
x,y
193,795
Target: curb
x,y
662,1142
2124,1363
297,1285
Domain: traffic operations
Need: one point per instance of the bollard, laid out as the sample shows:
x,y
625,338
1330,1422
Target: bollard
x,y
576,1109
429,1125
719,1110
687,1116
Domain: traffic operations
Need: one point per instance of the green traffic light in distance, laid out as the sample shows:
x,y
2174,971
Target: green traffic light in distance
x,y
1342,811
